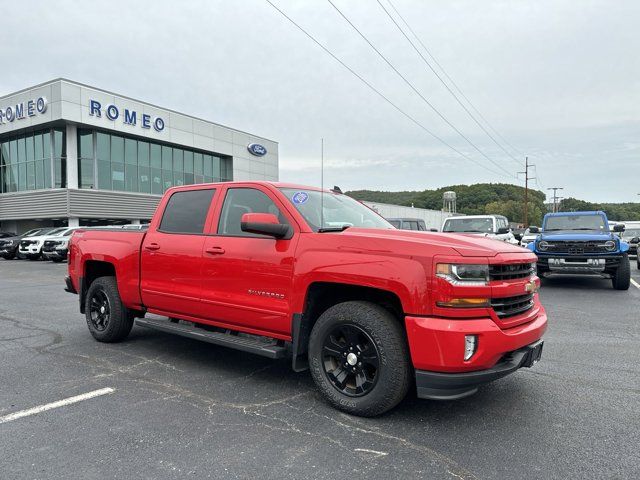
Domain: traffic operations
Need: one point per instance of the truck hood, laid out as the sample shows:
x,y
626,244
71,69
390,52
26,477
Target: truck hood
x,y
462,244
572,235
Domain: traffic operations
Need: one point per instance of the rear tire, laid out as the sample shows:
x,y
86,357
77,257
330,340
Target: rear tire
x,y
622,278
107,318
359,358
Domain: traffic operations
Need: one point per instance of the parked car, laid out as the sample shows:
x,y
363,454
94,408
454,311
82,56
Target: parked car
x,y
491,226
55,246
528,237
579,243
132,226
284,270
408,224
9,245
632,237
31,247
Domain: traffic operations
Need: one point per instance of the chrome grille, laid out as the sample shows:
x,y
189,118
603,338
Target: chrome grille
x,y
511,271
511,306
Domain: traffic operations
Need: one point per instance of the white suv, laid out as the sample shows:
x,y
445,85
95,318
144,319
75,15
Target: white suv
x,y
491,226
56,246
31,247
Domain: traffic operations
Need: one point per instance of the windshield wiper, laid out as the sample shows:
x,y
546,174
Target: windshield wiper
x,y
333,229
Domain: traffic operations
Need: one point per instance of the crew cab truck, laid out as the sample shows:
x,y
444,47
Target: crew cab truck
x,y
284,270
581,243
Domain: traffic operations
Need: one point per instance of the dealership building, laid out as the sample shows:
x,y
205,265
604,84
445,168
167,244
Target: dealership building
x,y
72,154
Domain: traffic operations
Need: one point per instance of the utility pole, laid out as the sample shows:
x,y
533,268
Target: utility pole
x,y
526,189
555,197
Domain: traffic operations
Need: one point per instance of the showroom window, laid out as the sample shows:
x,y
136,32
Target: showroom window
x,y
132,165
25,161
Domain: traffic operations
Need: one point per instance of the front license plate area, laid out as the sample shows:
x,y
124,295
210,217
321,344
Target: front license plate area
x,y
534,355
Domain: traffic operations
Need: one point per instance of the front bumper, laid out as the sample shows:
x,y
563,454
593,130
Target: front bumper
x,y
578,264
55,254
452,386
30,251
8,251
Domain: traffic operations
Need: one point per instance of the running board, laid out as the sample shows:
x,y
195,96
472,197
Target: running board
x,y
256,345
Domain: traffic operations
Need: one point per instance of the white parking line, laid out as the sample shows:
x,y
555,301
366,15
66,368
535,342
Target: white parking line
x,y
635,284
59,403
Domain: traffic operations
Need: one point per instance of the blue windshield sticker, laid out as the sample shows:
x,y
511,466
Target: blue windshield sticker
x,y
300,197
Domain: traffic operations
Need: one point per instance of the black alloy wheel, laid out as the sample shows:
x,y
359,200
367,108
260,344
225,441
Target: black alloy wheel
x,y
99,310
351,360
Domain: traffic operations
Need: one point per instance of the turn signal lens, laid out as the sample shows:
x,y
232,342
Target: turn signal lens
x,y
470,345
465,303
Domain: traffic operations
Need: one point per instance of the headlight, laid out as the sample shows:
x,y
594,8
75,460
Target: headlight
x,y
610,245
463,274
542,245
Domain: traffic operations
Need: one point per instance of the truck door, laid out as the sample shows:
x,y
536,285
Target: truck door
x,y
247,278
171,257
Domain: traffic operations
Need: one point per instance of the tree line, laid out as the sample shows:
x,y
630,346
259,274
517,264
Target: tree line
x,y
497,199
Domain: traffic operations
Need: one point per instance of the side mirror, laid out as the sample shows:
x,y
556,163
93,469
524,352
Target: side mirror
x,y
618,228
503,230
264,224
534,230
635,240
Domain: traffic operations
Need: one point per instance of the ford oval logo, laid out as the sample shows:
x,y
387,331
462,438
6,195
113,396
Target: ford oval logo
x,y
257,149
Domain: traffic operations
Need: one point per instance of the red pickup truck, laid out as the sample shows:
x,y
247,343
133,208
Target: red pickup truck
x,y
290,271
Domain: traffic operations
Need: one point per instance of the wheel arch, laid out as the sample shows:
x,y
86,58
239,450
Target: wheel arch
x,y
93,269
322,295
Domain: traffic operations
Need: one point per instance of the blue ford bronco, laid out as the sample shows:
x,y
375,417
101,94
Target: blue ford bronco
x,y
581,243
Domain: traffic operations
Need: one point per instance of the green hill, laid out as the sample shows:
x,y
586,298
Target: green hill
x,y
496,198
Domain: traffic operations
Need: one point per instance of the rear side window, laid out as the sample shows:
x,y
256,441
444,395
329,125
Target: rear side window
x,y
186,212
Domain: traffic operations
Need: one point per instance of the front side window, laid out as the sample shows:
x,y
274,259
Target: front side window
x,y
239,201
186,212
328,210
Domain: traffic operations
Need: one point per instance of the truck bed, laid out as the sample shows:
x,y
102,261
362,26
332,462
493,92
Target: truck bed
x,y
118,247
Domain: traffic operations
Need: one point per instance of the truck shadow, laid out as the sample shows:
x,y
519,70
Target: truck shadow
x,y
240,377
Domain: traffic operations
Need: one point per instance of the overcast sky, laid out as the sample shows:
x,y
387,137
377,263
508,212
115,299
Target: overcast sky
x,y
558,79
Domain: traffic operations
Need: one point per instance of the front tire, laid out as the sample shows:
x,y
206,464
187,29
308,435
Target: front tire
x,y
359,358
107,318
622,278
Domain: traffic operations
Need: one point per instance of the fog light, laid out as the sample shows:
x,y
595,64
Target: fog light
x,y
470,344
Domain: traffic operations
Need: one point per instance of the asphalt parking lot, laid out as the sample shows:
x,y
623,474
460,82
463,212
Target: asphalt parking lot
x,y
181,408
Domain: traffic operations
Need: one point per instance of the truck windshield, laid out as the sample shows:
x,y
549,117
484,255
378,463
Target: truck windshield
x,y
339,211
468,225
575,222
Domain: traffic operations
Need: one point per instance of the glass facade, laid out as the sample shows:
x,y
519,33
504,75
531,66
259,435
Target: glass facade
x,y
33,161
115,162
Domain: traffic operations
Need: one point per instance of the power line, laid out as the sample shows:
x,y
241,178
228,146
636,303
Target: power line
x,y
412,119
441,80
424,99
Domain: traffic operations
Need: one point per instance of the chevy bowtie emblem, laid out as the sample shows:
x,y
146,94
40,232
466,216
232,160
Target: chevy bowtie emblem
x,y
530,287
